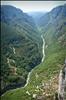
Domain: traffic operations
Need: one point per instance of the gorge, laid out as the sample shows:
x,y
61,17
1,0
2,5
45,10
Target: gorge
x,y
43,56
28,77
33,60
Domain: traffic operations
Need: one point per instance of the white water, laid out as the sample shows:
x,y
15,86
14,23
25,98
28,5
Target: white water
x,y
14,50
43,48
28,77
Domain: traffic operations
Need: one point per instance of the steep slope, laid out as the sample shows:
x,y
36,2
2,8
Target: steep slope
x,y
20,47
20,20
43,83
53,28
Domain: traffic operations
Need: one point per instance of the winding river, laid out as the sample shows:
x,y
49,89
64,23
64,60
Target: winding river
x,y
43,56
43,51
28,77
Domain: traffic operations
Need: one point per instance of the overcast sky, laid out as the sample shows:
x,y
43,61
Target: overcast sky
x,y
28,6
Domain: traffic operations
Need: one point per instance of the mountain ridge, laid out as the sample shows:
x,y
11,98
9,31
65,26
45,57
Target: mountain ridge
x,y
17,44
43,83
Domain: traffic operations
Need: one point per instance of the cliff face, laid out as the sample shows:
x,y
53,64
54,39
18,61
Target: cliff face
x,y
62,83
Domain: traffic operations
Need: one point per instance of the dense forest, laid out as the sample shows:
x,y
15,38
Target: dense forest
x,y
21,50
20,47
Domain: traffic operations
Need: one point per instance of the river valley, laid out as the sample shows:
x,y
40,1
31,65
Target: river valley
x,y
28,77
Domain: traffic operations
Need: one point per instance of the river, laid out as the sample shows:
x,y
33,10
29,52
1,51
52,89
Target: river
x,y
43,56
28,77
43,51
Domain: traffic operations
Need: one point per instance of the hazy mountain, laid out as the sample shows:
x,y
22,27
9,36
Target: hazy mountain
x,y
53,24
43,82
20,46
55,15
15,17
36,15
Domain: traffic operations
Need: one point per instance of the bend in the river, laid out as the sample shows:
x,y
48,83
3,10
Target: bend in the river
x,y
43,53
28,77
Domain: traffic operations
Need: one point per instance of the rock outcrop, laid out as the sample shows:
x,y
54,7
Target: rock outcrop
x,y
62,83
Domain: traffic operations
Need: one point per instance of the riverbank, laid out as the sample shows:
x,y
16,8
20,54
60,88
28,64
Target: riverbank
x,y
28,77
43,53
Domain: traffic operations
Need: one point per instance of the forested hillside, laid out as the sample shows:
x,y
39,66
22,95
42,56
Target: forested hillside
x,y
20,47
43,82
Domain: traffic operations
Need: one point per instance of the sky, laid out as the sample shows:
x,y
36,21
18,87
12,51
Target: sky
x,y
32,6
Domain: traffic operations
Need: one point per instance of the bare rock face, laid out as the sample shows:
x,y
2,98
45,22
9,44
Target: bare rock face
x,y
62,83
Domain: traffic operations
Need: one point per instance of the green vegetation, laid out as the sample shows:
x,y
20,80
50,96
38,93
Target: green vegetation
x,y
20,51
43,83
46,71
